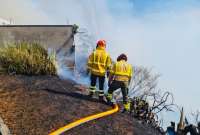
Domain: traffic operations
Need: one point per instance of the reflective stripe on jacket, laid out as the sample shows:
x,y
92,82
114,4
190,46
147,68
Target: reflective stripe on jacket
x,y
99,61
122,71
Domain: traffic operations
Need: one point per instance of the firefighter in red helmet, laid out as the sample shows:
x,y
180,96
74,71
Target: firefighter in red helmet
x,y
99,63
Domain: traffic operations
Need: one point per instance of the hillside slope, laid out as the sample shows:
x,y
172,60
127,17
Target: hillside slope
x,y
42,104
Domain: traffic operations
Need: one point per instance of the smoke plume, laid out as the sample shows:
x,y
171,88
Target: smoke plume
x,y
23,12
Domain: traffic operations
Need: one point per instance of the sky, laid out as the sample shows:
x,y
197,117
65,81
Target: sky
x,y
159,34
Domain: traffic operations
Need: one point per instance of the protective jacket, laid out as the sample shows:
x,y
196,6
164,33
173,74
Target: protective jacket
x,y
99,62
121,71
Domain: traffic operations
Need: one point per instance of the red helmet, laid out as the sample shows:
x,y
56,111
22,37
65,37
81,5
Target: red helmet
x,y
122,57
101,43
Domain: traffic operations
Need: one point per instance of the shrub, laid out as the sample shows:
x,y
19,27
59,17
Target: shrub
x,y
28,59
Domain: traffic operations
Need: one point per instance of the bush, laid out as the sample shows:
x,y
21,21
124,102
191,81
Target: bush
x,y
27,58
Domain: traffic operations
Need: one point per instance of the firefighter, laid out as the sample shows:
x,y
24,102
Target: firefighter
x,y
99,63
120,77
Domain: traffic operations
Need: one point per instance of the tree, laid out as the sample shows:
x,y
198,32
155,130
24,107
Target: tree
x,y
162,102
144,85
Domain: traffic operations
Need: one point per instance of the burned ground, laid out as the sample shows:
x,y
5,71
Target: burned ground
x,y
42,104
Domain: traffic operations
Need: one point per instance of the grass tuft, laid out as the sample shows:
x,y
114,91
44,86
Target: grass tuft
x,y
27,58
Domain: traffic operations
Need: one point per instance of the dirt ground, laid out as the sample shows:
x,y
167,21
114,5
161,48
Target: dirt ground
x,y
39,105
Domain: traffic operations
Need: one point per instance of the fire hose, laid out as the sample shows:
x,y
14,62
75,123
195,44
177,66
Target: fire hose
x,y
84,120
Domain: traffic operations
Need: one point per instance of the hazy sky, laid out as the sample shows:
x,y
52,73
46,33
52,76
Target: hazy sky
x,y
163,34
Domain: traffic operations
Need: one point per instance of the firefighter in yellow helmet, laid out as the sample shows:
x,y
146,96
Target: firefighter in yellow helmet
x,y
99,63
120,77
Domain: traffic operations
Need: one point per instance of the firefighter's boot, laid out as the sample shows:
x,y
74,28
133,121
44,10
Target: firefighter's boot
x,y
109,98
92,90
126,107
101,96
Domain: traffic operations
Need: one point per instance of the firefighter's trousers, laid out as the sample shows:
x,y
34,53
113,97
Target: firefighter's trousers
x,y
93,82
124,88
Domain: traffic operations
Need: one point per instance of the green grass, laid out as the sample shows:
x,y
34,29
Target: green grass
x,y
27,58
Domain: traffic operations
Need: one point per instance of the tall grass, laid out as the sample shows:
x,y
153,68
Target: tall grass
x,y
28,59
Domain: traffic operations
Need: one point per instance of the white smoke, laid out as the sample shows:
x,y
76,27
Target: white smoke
x,y
78,74
23,12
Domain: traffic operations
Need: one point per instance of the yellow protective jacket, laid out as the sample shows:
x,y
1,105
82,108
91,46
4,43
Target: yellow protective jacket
x,y
99,62
121,71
